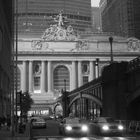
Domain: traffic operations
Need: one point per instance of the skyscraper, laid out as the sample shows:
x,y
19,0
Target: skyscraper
x,y
36,16
122,17
96,19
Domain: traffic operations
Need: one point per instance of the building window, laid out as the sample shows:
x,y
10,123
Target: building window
x,y
37,69
36,83
85,68
61,78
37,75
18,80
85,79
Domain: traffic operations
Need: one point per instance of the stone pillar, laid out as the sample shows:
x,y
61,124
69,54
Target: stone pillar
x,y
73,75
97,68
31,77
91,71
80,79
43,75
24,77
49,77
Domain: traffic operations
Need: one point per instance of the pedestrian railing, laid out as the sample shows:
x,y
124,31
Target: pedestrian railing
x,y
138,127
131,127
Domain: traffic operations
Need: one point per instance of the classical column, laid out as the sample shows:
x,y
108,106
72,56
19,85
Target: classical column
x,y
97,68
73,75
43,75
30,76
80,79
24,77
49,77
91,71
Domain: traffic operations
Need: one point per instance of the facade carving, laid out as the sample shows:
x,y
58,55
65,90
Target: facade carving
x,y
81,45
133,44
57,32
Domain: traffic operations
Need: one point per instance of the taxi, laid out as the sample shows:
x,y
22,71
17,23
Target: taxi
x,y
73,126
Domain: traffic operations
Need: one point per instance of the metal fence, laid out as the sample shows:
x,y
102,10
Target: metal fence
x,y
131,127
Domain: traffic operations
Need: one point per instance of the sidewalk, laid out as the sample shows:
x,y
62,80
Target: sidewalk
x,y
7,134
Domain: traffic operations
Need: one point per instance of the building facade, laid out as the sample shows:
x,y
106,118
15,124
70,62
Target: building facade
x,y
61,60
76,12
121,17
96,19
6,35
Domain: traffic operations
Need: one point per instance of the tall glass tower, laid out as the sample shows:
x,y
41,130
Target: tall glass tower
x,y
36,15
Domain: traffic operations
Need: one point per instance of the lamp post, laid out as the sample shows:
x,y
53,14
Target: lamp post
x,y
64,99
111,50
65,85
80,104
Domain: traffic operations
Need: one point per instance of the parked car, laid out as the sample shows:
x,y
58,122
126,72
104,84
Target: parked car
x,y
38,122
107,126
73,126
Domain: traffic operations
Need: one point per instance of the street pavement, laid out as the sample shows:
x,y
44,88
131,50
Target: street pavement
x,y
6,134
52,129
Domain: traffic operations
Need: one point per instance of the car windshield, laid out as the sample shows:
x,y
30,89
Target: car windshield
x,y
72,120
104,120
38,120
110,120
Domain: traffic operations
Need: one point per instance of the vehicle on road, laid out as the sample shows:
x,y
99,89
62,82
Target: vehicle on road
x,y
74,127
107,126
38,122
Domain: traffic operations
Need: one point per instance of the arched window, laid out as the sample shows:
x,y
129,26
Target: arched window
x,y
61,78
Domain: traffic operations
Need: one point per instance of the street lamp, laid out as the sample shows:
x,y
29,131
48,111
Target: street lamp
x,y
80,94
111,51
65,100
65,85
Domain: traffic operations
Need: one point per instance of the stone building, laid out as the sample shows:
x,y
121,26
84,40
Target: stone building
x,y
63,60
121,17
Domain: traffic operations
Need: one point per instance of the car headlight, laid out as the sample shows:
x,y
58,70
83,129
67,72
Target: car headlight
x,y
84,128
68,128
105,127
120,127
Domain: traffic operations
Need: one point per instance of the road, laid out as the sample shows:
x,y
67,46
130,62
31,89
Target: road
x,y
52,131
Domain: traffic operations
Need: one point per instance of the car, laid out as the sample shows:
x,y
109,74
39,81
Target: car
x,y
38,122
107,126
74,127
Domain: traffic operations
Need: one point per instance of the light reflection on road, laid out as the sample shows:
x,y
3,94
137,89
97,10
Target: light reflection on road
x,y
96,138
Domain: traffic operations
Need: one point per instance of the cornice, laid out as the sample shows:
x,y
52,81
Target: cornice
x,y
33,53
